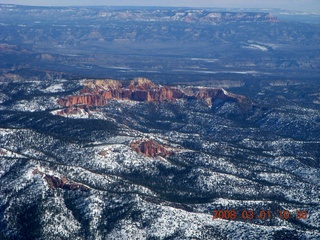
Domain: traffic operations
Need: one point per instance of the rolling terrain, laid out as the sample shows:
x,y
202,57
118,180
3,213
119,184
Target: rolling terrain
x,y
130,123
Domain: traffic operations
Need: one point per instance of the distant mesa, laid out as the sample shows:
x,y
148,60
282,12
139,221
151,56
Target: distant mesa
x,y
63,183
150,148
96,93
147,15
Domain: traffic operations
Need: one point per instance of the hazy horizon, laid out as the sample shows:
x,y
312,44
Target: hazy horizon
x,y
298,5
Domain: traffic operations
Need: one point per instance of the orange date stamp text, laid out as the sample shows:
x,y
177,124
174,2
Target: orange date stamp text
x,y
248,214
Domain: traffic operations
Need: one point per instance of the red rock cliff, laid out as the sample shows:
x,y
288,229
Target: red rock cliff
x,y
63,183
98,92
150,148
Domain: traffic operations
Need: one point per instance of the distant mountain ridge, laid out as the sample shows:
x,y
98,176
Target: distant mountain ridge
x,y
142,14
99,42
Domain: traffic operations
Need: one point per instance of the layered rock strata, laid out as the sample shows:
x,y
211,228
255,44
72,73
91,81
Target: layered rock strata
x,y
98,92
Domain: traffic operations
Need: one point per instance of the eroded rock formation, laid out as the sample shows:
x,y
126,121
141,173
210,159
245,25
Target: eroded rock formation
x,y
98,92
63,183
150,148
74,109
211,94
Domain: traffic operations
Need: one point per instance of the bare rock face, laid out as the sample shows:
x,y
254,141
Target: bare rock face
x,y
63,183
74,109
211,94
86,99
98,92
151,148
143,84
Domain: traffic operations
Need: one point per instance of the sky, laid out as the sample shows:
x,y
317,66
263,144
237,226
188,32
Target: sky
x,y
300,5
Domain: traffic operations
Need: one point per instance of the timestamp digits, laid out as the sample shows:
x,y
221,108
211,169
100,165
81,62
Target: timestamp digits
x,y
248,214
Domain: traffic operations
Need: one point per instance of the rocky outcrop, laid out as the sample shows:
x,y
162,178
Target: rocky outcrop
x,y
150,148
74,109
63,183
210,94
98,92
86,99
